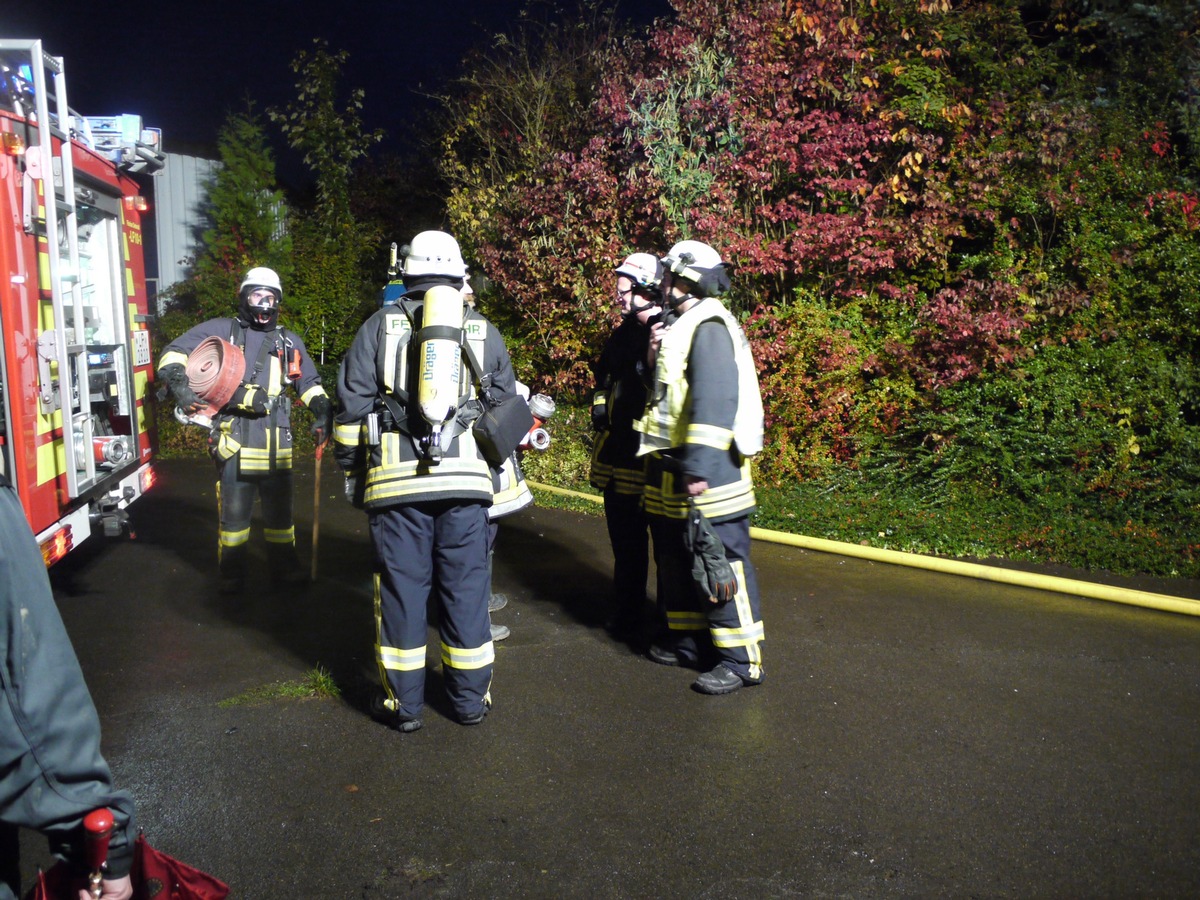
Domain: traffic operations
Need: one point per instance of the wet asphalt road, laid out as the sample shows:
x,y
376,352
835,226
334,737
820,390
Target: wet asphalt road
x,y
918,734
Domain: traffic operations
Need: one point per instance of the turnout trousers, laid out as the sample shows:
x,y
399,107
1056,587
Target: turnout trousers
x,y
235,506
698,631
426,552
628,533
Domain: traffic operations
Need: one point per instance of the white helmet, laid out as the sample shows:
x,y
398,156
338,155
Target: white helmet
x,y
262,277
642,269
700,264
260,314
434,253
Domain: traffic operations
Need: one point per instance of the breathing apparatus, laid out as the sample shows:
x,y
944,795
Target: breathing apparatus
x,y
699,264
259,298
439,367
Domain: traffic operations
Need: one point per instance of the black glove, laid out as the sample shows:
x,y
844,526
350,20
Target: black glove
x,y
722,581
600,411
322,412
354,490
716,582
248,399
175,375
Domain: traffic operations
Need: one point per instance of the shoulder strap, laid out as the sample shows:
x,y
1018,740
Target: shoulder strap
x,y
395,402
484,379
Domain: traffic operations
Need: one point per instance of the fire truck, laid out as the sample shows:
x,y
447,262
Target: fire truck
x,y
76,430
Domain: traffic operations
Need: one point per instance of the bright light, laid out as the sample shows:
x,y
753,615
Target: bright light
x,y
11,144
138,203
148,479
57,546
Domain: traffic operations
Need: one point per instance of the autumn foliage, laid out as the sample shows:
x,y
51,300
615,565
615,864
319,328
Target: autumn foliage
x,y
942,214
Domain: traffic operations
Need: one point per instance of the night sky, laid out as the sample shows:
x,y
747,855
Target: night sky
x,y
184,66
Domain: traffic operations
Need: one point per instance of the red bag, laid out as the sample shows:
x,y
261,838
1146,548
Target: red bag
x,y
155,876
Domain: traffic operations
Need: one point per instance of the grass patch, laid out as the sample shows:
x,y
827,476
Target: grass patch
x,y
953,519
317,683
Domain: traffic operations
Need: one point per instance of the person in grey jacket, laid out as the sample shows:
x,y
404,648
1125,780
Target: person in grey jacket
x,y
51,770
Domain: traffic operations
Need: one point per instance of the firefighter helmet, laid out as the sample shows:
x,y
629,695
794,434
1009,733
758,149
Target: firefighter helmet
x,y
643,269
259,298
700,264
434,253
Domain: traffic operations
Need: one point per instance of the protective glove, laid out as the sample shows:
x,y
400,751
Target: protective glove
x,y
600,411
715,580
353,489
175,375
248,399
322,411
721,581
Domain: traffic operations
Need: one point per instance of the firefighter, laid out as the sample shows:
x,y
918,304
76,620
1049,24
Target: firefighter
x,y
425,485
510,492
251,437
618,400
702,424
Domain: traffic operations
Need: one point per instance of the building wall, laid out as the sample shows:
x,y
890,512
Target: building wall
x,y
180,200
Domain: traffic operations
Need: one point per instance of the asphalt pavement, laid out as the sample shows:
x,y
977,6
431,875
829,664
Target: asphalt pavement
x,y
917,734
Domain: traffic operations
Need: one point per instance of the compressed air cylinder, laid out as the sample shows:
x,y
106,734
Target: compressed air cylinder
x,y
440,355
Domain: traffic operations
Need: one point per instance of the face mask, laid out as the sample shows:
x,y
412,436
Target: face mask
x,y
260,308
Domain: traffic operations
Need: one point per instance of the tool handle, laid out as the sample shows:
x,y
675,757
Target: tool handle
x,y
98,829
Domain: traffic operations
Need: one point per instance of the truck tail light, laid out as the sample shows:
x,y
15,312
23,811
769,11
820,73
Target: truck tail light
x,y
57,545
136,203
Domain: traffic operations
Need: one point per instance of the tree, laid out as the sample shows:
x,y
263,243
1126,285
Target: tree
x,y
332,286
248,218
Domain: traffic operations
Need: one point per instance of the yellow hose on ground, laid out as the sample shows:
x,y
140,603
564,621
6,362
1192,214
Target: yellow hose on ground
x,y
1090,590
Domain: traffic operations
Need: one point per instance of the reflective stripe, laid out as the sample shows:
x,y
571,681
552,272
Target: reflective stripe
x,y
468,657
315,391
513,493
745,636
172,356
275,378
234,538
681,620
401,660
665,423
348,434
709,436
629,481
669,500
280,535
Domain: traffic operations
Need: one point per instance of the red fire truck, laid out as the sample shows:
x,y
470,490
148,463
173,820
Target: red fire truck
x,y
76,434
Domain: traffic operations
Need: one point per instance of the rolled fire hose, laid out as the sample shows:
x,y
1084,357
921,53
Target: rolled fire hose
x,y
214,371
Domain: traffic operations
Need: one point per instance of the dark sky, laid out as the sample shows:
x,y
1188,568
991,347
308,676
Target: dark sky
x,y
183,66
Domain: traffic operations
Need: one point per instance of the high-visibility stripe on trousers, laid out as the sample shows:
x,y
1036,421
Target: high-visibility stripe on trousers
x,y
734,630
426,553
235,506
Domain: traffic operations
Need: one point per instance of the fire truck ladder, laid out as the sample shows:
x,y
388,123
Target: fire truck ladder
x,y
63,345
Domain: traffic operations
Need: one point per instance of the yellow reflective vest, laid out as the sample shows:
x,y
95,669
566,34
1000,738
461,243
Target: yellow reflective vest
x,y
679,438
666,423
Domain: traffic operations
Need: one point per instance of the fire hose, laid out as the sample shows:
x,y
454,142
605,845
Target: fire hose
x,y
214,371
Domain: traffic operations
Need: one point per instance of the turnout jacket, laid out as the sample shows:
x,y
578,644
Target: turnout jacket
x,y
51,770
262,443
618,400
381,362
703,418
